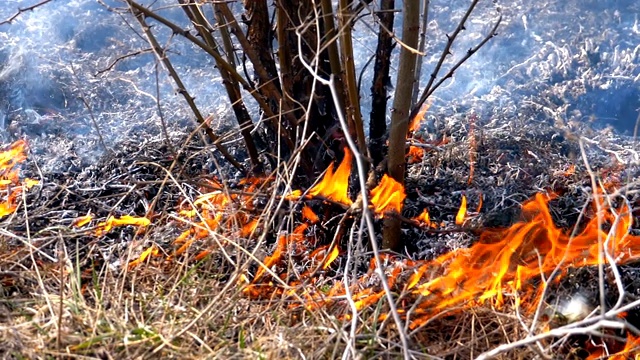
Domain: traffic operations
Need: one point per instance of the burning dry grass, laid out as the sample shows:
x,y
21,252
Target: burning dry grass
x,y
209,277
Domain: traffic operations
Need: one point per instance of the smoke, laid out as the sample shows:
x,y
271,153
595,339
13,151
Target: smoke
x,y
66,81
568,61
557,61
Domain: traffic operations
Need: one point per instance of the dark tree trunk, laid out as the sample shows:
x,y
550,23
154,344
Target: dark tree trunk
x,y
297,82
381,80
259,35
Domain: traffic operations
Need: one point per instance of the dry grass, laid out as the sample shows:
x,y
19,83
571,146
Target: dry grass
x,y
151,312
66,293
199,312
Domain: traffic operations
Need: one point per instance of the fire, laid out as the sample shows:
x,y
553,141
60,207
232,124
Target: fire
x,y
424,217
10,185
415,122
570,171
111,222
220,210
335,185
333,254
415,154
508,259
631,347
82,221
415,277
503,261
388,195
9,158
424,220
480,199
249,228
271,260
151,251
616,351
309,215
462,212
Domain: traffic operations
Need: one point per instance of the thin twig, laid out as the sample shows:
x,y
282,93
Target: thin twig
x,y
95,124
161,54
163,123
431,87
23,10
117,60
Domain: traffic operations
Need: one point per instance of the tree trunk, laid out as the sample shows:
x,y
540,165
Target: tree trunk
x,y
400,111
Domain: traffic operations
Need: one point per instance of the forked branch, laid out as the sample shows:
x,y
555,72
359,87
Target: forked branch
x,y
432,85
10,19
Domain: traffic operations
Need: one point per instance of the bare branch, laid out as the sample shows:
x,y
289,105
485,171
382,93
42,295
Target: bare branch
x,y
121,58
161,54
23,10
431,87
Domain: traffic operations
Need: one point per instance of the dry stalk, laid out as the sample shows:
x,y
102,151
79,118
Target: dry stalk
x,y
421,46
205,29
599,214
345,18
365,211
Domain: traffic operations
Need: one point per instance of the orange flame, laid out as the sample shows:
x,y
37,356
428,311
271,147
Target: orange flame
x,y
16,154
309,215
502,261
335,186
570,171
8,207
388,195
249,228
424,217
10,179
509,258
271,260
631,347
415,154
227,212
333,254
462,212
106,226
415,122
415,277
366,298
480,199
82,220
152,250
